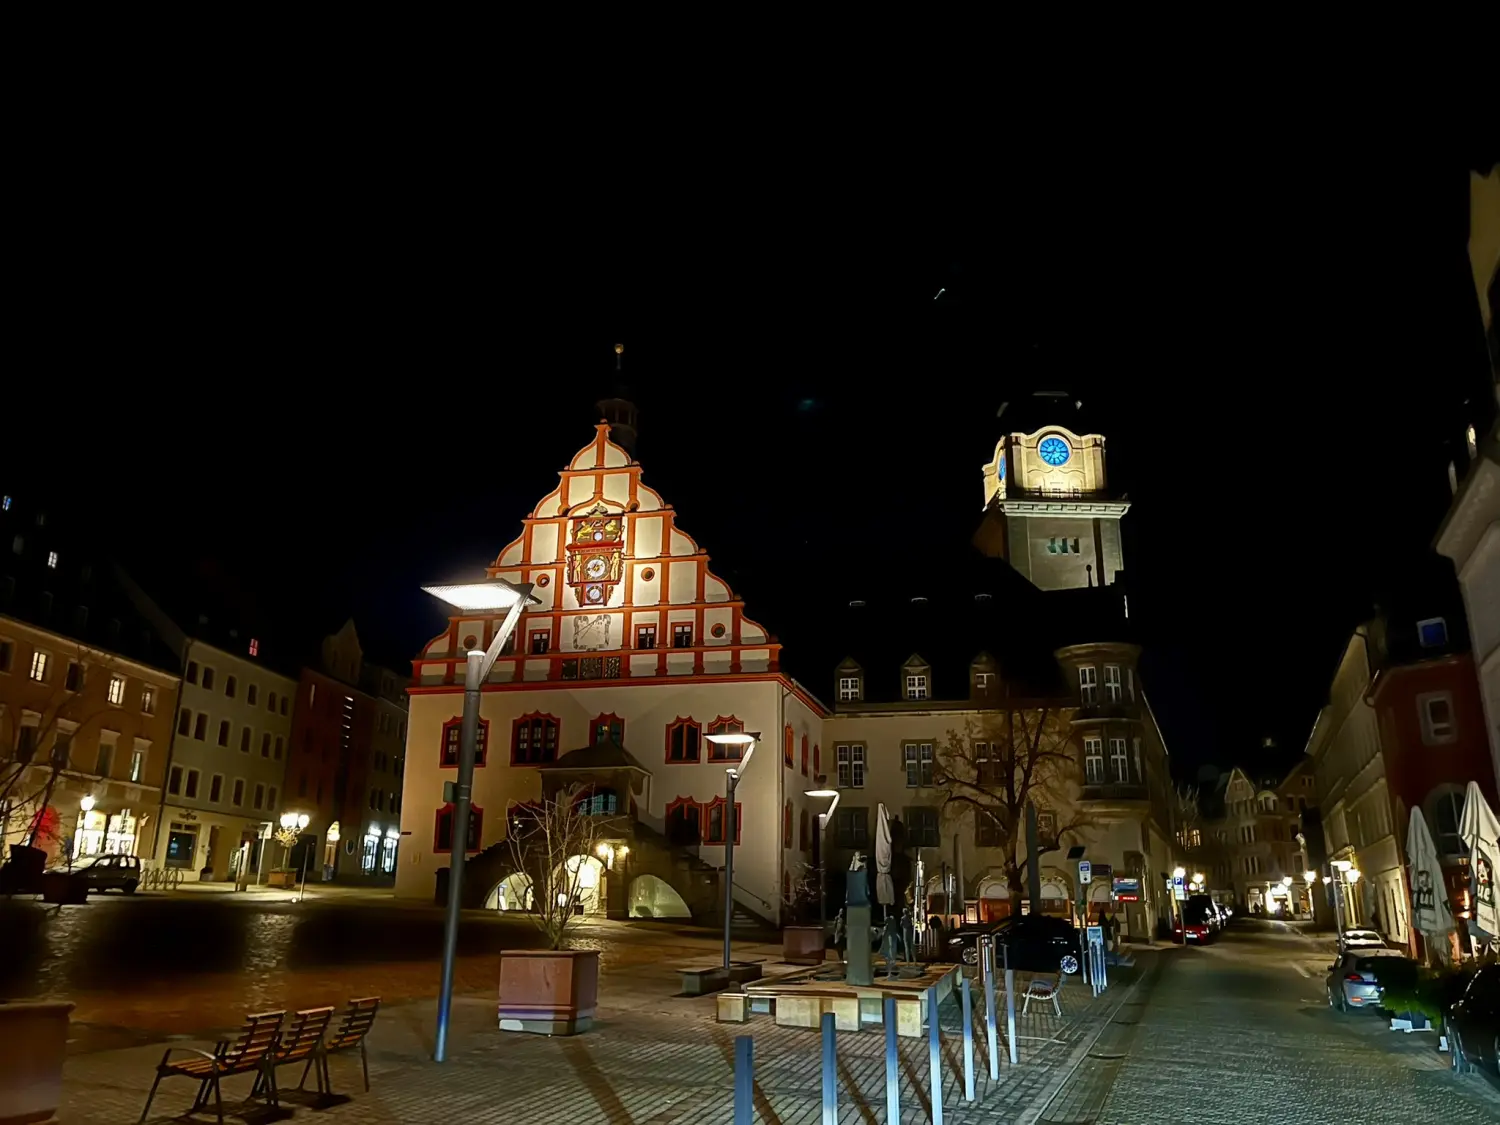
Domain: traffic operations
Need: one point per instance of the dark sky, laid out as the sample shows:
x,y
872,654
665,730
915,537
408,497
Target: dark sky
x,y
337,398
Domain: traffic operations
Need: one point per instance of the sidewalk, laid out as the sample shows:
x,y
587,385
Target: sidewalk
x,y
651,1057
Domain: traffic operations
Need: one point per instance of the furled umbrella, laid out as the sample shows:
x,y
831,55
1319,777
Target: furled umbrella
x,y
1481,832
885,889
1429,899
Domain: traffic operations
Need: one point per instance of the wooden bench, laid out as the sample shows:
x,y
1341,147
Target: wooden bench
x,y
348,1035
300,1040
1044,988
699,980
249,1054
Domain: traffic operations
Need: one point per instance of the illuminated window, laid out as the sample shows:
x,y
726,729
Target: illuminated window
x,y
1088,684
254,650
52,560
1432,633
39,667
983,680
137,764
1113,692
541,640
849,689
1093,761
683,736
918,757
1119,761
4,504
610,727
916,687
453,731
116,690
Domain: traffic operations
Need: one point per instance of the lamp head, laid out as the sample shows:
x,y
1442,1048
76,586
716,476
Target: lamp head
x,y
87,804
1179,872
1310,877
490,595
1286,880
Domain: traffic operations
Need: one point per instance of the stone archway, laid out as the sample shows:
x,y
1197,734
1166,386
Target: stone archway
x,y
653,897
587,876
513,893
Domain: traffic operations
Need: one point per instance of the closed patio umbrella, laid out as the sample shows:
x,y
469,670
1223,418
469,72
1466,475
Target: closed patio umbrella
x,y
885,889
1429,898
1481,832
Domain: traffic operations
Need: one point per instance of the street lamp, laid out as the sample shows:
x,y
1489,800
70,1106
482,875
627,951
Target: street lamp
x,y
292,825
1286,885
1310,877
488,597
85,806
731,822
825,794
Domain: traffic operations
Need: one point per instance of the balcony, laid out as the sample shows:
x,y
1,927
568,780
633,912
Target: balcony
x,y
1104,709
1115,791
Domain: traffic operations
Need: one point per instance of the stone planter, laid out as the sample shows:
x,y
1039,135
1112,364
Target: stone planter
x,y
548,991
65,888
803,945
34,1038
281,879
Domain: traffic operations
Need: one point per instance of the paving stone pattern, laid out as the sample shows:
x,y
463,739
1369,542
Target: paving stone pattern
x,y
668,1064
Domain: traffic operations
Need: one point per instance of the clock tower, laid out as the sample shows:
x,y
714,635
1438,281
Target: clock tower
x,y
1048,510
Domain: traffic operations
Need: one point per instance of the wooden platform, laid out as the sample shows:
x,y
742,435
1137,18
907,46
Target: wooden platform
x,y
799,999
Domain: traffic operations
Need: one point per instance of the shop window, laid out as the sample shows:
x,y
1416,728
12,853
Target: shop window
x,y
442,839
683,736
453,731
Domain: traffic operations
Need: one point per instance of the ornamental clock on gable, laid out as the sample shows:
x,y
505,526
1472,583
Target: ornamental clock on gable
x,y
595,551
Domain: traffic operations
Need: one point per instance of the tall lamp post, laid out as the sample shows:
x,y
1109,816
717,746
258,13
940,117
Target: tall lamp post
x,y
481,598
1286,882
825,794
731,822
1310,877
292,825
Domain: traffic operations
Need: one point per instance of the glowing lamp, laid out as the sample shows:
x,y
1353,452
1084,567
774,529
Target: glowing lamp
x,y
87,804
1309,877
1286,880
494,594
1179,872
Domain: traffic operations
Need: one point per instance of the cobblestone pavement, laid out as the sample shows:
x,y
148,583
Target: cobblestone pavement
x,y
661,1059
1241,1032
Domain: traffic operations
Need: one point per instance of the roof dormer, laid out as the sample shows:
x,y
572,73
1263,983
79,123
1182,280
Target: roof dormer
x,y
916,679
851,682
984,677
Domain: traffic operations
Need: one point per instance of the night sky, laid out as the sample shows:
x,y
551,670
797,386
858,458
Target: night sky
x,y
1277,356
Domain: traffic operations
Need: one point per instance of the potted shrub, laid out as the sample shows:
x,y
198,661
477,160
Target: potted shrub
x,y
552,991
281,877
803,941
35,1035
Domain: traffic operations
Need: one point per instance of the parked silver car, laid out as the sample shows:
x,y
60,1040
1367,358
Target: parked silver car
x,y
1351,981
112,872
1361,939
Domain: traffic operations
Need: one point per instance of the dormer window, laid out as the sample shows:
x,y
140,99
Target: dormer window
x,y
850,689
916,685
983,680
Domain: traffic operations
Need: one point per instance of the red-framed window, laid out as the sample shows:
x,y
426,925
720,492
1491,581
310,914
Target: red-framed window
x,y
786,827
713,821
817,761
804,755
442,830
725,724
683,737
788,751
539,641
682,636
607,726
645,636
804,836
533,740
453,732
684,822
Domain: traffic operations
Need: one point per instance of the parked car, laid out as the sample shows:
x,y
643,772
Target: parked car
x,y
1474,1024
1352,982
1196,923
1034,943
1361,939
111,872
1205,905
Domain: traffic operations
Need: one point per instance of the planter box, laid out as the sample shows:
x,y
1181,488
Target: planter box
x,y
35,1038
281,879
803,945
64,889
548,991
1410,1021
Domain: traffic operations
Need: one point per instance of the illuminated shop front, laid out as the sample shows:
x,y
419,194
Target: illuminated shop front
x,y
102,833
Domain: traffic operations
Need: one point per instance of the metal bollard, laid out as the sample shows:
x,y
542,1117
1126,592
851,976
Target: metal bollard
x,y
830,1073
892,1076
744,1079
934,1057
968,1043
989,1007
1010,1007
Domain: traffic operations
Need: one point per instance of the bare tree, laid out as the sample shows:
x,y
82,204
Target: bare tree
x,y
552,844
1197,844
34,755
1007,759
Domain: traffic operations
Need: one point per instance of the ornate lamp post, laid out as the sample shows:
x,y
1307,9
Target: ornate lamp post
x,y
487,597
731,822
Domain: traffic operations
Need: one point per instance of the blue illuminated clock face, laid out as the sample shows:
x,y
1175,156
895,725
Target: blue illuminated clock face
x,y
1054,451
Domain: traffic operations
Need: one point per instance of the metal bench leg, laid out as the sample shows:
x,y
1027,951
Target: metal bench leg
x,y
1026,1002
364,1062
218,1100
151,1097
201,1100
1056,1007
310,1060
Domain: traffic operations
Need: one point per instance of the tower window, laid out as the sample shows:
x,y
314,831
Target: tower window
x,y
1432,633
1062,545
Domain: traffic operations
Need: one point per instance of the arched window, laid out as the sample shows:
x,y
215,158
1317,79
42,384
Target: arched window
x,y
788,740
685,822
533,740
453,731
442,837
725,725
713,822
817,761
1445,810
804,755
683,736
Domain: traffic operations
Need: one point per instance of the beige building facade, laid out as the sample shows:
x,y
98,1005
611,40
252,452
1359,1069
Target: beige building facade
x,y
86,735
